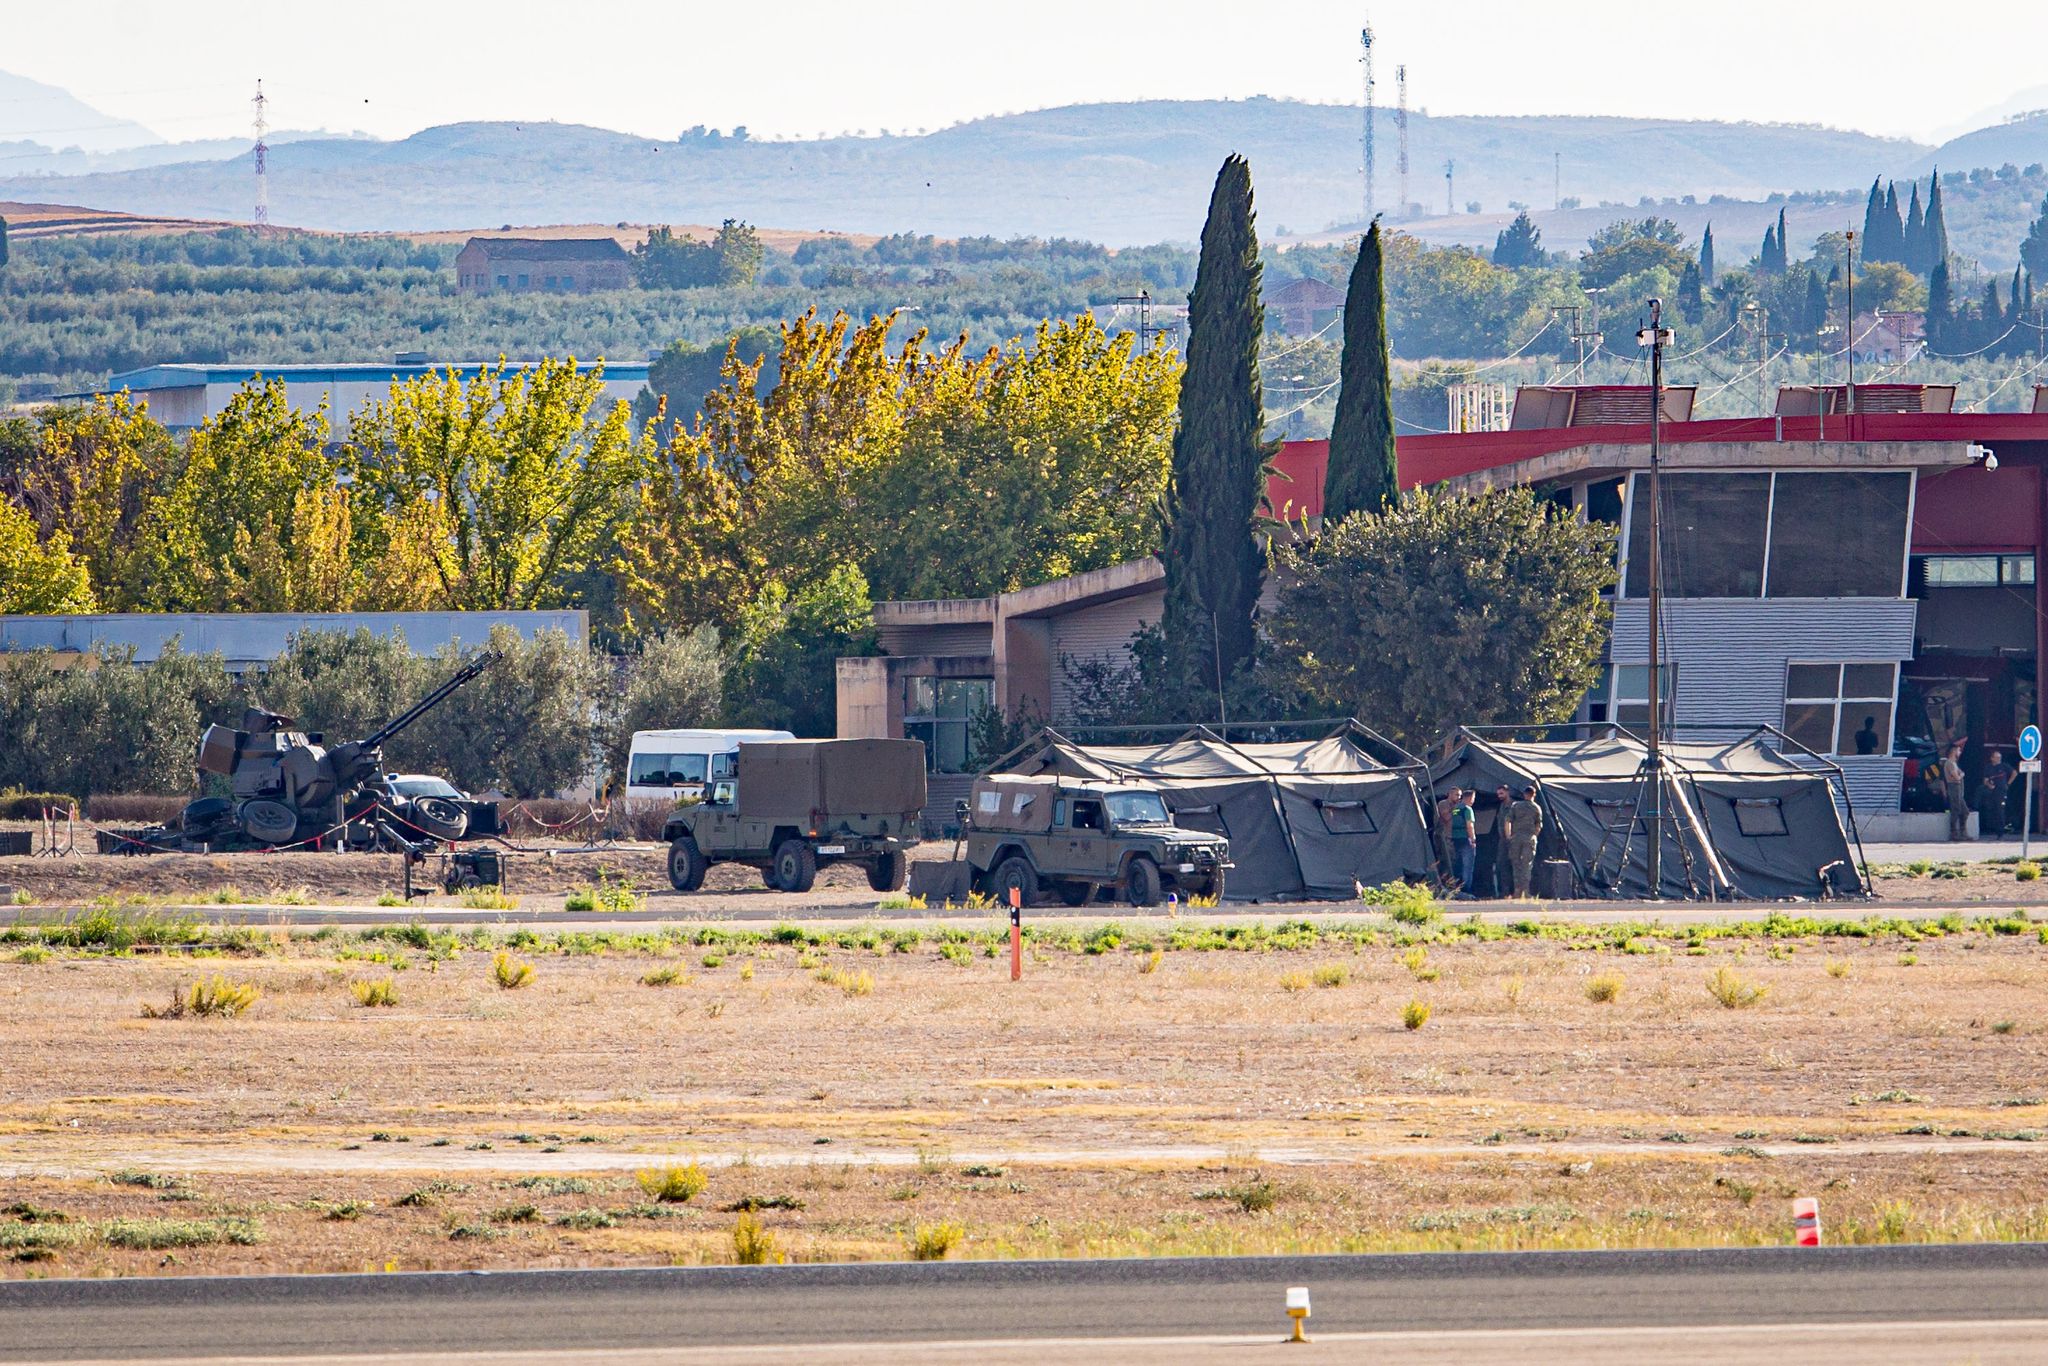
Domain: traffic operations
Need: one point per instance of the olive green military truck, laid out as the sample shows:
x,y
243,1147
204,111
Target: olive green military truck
x,y
796,806
1079,840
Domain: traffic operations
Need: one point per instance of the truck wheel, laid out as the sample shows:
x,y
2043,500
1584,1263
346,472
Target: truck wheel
x,y
889,872
796,866
1216,885
438,817
1141,882
1077,893
1013,873
686,865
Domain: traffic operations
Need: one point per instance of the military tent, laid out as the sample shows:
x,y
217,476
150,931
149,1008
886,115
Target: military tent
x,y
1310,818
1743,819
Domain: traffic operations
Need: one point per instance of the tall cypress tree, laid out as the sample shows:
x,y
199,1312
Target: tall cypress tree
x,y
1872,208
3,244
1936,224
1939,326
1784,245
1707,255
1361,475
1215,565
1913,237
1767,259
1891,228
1691,305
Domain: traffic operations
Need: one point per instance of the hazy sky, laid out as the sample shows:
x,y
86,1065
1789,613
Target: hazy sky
x,y
806,66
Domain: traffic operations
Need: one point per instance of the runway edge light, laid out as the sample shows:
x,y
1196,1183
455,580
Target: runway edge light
x,y
1297,1309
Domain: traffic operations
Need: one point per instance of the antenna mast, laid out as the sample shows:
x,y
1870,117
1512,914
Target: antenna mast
x,y
1365,45
262,215
1450,187
1401,123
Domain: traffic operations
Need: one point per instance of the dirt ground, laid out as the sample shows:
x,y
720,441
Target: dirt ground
x,y
1134,1098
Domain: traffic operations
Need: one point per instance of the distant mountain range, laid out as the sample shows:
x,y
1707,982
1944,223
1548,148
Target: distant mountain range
x,y
1115,173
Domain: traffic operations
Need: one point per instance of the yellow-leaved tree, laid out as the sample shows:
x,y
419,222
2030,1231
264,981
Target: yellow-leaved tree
x,y
495,492
38,576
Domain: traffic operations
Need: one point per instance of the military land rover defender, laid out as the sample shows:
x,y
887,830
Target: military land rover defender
x,y
1079,840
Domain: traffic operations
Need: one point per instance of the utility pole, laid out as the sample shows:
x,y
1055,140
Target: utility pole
x,y
1365,46
1401,124
1450,192
1760,321
1579,335
1143,299
1656,336
1849,333
262,216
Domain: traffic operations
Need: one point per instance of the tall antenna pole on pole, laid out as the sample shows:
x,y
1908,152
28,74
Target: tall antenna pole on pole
x,y
1849,333
1401,123
262,152
1656,336
1365,45
1450,187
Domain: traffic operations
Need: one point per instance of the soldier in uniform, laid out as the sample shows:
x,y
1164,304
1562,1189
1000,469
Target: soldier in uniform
x,y
1524,823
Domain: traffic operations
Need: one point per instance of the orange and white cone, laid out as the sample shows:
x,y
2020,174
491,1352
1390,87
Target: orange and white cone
x,y
1806,1221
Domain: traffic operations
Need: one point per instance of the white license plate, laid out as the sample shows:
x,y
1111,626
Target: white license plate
x,y
1187,867
831,848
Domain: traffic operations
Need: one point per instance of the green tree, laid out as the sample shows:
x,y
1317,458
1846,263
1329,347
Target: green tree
x,y
526,727
1939,327
3,243
1935,247
1519,244
37,576
674,682
490,493
2034,247
1913,236
104,723
1692,304
345,684
1707,256
783,671
683,374
731,259
1215,562
1444,610
250,521
1361,474
1628,248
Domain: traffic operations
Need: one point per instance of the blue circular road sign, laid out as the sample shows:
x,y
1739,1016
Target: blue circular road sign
x,y
2030,743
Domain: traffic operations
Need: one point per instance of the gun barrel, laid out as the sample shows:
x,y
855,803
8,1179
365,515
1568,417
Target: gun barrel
x,y
431,700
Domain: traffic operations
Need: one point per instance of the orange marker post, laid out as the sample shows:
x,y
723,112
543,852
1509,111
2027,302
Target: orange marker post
x,y
1806,1221
1016,935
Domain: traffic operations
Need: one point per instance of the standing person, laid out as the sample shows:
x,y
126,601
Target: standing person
x,y
1494,856
1995,790
1958,797
1524,823
1440,832
1867,739
1464,842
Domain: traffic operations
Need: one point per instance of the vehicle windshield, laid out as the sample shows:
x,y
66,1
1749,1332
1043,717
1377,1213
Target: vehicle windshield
x,y
1137,808
425,787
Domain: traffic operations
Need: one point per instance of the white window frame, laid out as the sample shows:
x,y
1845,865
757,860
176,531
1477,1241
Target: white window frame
x,y
1839,701
1668,695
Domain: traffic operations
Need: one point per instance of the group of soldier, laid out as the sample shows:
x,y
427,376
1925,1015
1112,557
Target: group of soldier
x,y
1488,847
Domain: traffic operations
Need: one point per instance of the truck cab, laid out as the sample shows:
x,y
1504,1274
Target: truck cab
x,y
1079,840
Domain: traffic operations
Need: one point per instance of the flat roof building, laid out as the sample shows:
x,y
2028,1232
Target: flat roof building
x,y
184,396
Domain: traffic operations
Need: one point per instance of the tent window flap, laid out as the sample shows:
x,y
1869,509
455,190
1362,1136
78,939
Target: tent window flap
x,y
1757,817
1346,818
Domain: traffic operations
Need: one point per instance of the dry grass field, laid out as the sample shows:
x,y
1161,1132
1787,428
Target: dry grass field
x,y
873,1093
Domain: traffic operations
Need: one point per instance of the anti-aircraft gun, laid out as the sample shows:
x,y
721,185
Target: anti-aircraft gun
x,y
288,786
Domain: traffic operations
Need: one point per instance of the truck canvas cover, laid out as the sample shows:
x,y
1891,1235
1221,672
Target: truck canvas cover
x,y
1304,818
802,780
1745,819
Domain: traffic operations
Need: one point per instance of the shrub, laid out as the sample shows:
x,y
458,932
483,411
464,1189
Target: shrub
x,y
1294,981
612,895
1838,967
16,805
901,902
381,991
207,998
1725,985
1410,903
33,954
668,975
753,1245
137,808
1415,1015
1416,960
1604,988
489,899
852,983
510,973
1332,975
2026,870
932,1242
1150,965
673,1184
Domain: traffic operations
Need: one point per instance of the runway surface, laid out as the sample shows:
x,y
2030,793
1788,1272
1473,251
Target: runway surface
x,y
1981,1302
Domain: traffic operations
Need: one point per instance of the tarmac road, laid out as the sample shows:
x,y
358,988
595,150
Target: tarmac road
x,y
1879,1303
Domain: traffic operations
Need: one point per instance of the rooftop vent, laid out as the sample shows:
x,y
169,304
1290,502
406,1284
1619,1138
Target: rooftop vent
x,y
1539,406
1831,400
